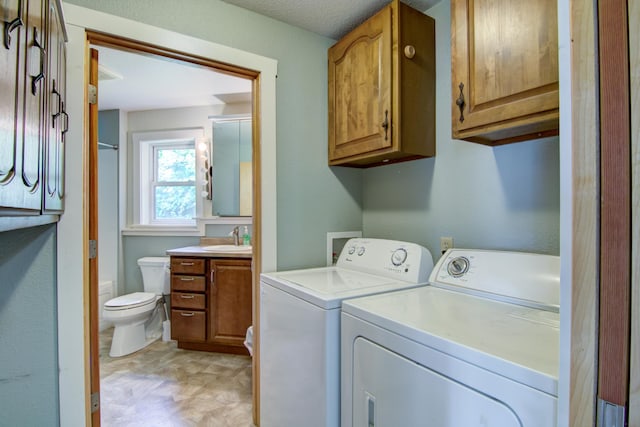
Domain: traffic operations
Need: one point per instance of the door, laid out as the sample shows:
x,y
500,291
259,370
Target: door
x,y
360,89
230,301
93,243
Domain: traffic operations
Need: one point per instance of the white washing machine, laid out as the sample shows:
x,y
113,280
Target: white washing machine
x,y
300,326
479,347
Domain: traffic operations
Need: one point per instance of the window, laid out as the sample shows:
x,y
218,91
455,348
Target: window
x,y
167,179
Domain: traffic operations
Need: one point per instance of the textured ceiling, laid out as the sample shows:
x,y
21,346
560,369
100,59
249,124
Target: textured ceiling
x,y
330,18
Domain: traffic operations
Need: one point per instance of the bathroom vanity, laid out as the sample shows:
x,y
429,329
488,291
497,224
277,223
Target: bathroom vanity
x,y
211,298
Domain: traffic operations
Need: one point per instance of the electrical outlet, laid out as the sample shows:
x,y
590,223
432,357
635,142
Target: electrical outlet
x,y
446,243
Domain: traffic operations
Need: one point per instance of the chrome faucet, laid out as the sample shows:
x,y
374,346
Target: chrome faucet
x,y
236,236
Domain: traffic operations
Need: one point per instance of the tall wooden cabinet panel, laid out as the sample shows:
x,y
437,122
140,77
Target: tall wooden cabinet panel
x,y
504,64
31,57
57,119
382,90
230,301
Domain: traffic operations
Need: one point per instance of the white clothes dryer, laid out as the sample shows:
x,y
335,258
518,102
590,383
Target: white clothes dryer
x,y
480,347
300,326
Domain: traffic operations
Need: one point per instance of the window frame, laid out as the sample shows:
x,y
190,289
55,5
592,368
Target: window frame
x,y
144,172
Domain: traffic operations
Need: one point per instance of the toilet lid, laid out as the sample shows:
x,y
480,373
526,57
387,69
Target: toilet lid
x,y
133,300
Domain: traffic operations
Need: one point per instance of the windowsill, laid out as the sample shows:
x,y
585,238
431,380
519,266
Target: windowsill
x,y
192,230
159,230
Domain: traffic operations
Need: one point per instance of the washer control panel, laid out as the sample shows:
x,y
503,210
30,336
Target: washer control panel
x,y
390,258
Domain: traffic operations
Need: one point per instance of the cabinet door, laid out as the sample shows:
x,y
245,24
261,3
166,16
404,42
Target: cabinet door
x,y
360,89
18,185
33,94
230,301
504,69
57,119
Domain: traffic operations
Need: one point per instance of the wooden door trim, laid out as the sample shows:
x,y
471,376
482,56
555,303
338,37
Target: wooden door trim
x,y
93,237
634,62
615,203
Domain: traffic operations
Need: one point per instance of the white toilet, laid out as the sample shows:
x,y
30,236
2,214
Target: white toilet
x,y
138,316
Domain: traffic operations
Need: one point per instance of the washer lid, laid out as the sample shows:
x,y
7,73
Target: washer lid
x,y
326,287
133,300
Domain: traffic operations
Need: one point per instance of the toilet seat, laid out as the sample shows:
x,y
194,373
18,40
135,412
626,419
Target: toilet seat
x,y
129,301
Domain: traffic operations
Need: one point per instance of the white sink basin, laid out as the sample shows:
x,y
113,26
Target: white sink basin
x,y
228,248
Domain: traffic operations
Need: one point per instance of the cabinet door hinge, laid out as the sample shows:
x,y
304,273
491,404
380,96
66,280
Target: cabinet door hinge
x,y
95,401
93,94
610,414
93,249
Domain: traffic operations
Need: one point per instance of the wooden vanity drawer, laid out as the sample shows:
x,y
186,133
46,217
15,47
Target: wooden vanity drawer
x,y
187,283
187,265
188,300
188,325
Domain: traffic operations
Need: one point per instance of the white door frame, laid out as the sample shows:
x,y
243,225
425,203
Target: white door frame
x,y
72,228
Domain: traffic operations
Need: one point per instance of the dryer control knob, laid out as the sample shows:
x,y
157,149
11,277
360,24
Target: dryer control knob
x,y
458,266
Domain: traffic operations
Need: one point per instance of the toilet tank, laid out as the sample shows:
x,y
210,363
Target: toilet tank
x,y
155,274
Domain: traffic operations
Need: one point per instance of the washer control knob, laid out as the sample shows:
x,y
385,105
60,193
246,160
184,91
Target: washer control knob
x,y
361,251
352,250
399,256
458,266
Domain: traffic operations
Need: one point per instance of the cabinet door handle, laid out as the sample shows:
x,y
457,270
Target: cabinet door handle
x,y
212,275
66,121
36,79
460,102
186,263
385,123
55,92
187,296
187,314
187,279
9,27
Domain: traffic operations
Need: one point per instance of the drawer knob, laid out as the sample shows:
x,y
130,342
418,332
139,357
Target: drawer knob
x,y
187,296
186,263
187,314
187,279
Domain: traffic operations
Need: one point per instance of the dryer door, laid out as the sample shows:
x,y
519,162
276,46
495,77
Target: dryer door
x,y
390,390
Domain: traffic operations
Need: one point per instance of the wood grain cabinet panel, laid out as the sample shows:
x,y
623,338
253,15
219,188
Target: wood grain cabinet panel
x,y
382,90
230,301
211,303
32,62
504,64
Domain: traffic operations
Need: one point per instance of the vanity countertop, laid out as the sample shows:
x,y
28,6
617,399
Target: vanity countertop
x,y
199,251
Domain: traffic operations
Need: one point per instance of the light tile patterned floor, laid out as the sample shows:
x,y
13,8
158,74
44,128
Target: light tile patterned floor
x,y
163,386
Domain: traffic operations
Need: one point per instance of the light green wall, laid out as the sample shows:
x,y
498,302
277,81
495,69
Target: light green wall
x,y
28,328
312,199
499,198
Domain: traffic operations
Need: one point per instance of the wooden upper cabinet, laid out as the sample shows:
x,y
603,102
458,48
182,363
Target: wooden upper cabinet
x,y
382,90
57,119
504,64
22,50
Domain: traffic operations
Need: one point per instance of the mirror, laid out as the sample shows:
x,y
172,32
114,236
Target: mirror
x,y
231,161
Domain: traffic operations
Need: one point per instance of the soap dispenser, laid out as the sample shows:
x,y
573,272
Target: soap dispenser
x,y
246,238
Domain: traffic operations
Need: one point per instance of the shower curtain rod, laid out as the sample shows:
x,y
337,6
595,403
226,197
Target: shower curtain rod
x,y
104,144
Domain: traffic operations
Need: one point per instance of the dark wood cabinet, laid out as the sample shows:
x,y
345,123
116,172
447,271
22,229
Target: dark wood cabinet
x,y
230,301
211,303
32,68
